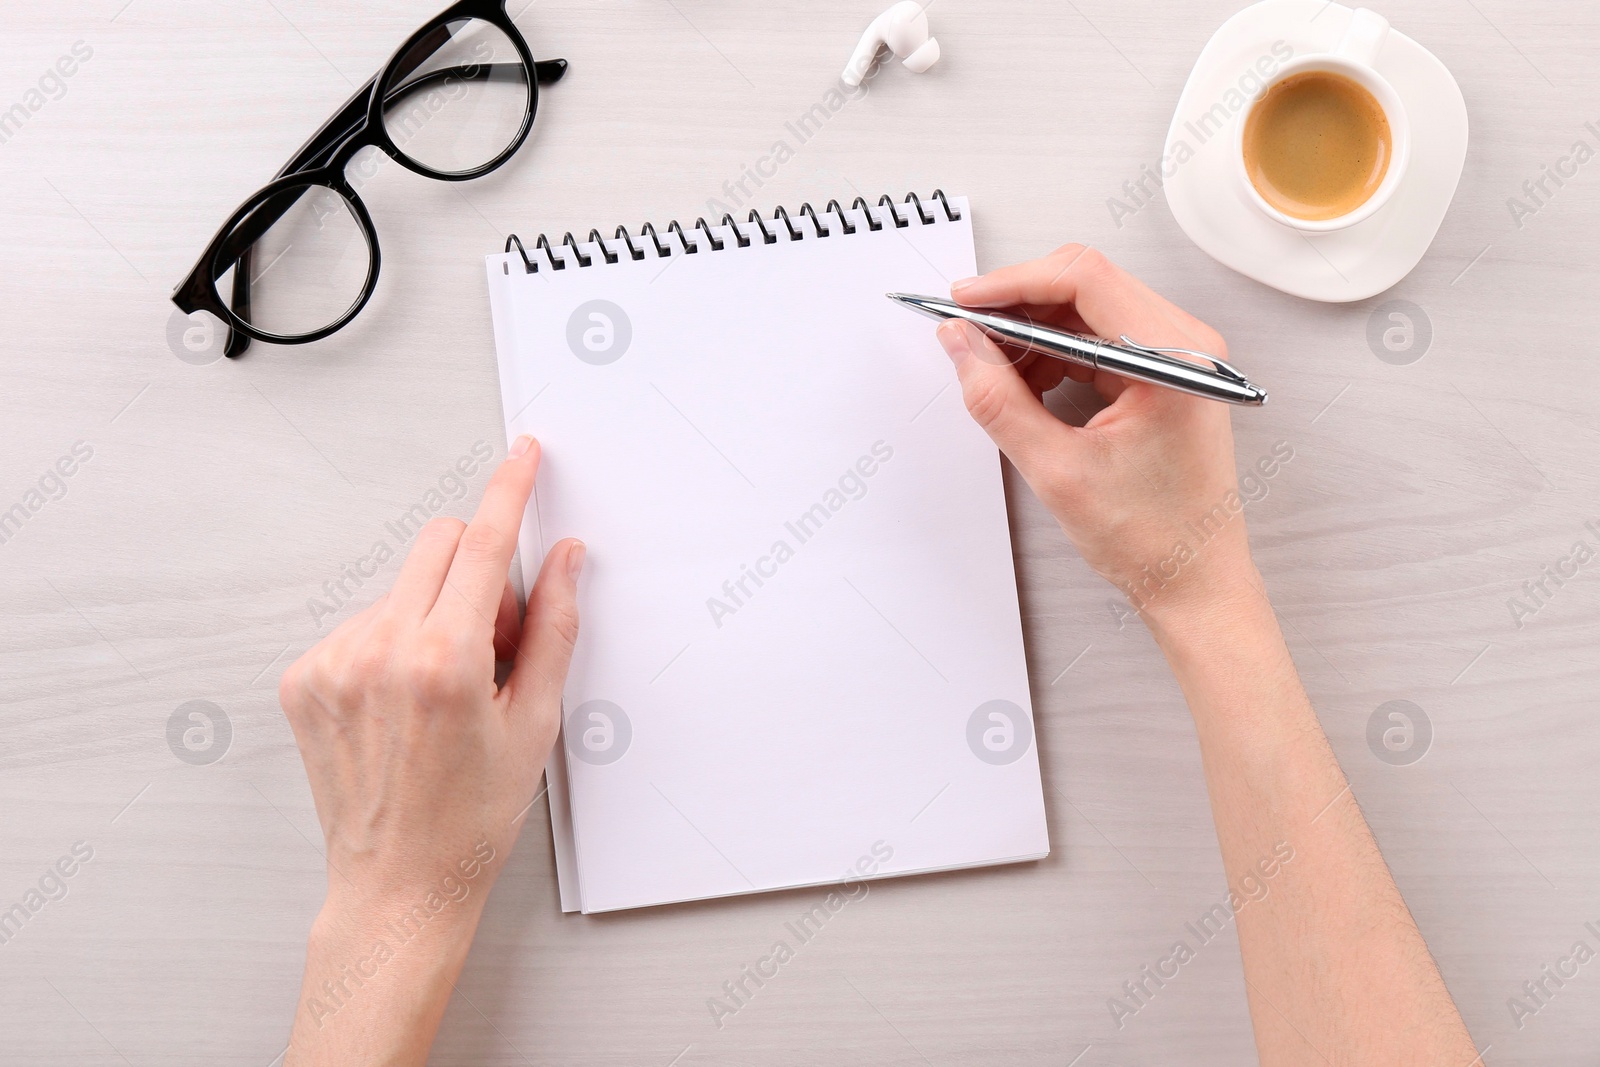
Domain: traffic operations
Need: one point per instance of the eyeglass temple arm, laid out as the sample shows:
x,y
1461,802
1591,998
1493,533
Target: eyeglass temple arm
x,y
323,146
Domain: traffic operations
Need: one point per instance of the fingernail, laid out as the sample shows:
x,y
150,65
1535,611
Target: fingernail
x,y
520,445
575,556
956,343
964,283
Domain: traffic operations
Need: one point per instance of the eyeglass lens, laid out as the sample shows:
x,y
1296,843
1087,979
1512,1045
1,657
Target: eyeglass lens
x,y
453,105
453,102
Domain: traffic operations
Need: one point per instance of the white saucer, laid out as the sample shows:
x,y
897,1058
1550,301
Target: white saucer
x,y
1350,264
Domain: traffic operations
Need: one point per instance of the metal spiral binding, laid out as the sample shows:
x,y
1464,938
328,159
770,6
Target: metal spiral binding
x,y
887,201
550,254
844,220
595,238
677,228
866,209
622,235
662,251
794,234
572,252
727,220
807,209
766,238
516,242
711,238
570,241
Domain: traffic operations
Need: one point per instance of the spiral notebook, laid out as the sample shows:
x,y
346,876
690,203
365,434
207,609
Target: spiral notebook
x,y
801,656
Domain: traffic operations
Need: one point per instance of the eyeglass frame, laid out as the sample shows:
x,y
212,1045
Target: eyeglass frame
x,y
322,161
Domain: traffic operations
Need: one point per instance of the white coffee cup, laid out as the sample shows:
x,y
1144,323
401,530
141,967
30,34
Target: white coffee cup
x,y
1353,58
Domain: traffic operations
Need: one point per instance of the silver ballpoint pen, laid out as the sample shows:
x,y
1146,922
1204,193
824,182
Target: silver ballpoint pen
x,y
1158,366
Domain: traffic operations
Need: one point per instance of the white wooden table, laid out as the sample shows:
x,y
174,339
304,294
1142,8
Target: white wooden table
x,y
176,562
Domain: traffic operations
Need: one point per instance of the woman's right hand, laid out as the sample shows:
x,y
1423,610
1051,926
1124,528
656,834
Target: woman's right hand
x,y
1146,489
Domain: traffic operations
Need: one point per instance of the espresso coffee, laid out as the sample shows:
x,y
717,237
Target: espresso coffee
x,y
1317,145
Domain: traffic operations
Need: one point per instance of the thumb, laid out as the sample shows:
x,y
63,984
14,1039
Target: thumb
x,y
549,632
1001,402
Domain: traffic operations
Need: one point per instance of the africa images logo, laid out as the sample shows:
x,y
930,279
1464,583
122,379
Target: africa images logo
x,y
598,732
599,332
999,732
199,732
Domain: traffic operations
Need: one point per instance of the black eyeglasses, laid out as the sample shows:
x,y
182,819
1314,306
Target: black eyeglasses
x,y
300,257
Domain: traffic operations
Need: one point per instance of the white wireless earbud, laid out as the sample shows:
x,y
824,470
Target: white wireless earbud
x,y
904,30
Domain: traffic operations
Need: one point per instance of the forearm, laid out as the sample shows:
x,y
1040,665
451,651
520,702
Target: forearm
x,y
377,979
1335,967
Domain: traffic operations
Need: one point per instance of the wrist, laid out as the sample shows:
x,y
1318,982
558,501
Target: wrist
x,y
1206,590
388,944
1223,622
426,921
1218,621
347,915
1227,652
404,894
369,959
415,934
408,943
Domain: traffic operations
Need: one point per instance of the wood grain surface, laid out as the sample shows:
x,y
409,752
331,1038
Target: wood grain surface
x,y
176,562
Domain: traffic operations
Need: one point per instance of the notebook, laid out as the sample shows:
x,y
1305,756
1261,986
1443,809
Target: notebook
x,y
801,657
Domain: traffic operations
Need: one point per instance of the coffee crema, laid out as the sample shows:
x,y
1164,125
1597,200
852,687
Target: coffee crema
x,y
1317,145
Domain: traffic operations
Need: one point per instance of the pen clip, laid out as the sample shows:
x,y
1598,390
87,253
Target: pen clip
x,y
1223,366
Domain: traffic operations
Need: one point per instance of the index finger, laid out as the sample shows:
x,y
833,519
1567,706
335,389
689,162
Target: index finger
x,y
470,599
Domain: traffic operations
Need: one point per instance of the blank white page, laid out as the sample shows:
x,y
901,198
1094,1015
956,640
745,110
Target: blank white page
x,y
801,655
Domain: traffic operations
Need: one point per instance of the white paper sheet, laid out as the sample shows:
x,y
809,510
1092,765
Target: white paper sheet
x,y
799,588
